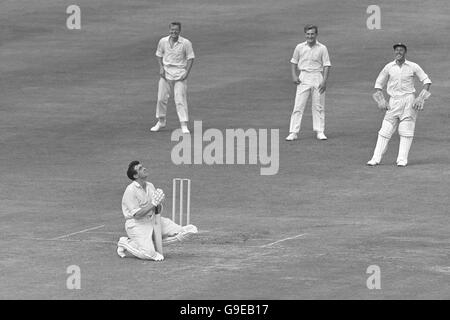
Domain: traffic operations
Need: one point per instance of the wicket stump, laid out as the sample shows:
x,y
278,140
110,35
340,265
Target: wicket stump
x,y
181,182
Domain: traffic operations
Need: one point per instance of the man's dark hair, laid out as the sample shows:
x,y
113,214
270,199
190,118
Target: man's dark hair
x,y
311,26
176,24
131,170
400,45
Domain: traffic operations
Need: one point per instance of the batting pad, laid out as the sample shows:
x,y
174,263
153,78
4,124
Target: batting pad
x,y
387,129
406,128
170,240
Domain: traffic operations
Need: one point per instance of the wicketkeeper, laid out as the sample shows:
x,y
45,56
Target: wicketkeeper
x,y
147,231
403,106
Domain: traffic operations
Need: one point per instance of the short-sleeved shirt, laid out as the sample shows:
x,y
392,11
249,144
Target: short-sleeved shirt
x,y
135,198
175,58
311,59
400,80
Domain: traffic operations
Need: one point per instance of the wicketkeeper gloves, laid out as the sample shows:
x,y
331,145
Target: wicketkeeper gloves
x,y
380,100
419,102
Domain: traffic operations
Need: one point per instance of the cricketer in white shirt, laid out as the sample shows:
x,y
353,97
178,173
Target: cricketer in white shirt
x,y
139,211
312,60
403,107
175,58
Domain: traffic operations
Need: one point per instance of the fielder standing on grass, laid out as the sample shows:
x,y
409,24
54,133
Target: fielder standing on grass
x,y
312,60
403,106
175,57
147,231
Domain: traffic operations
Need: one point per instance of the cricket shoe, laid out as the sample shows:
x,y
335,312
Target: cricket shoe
x,y
155,257
120,249
158,126
292,136
373,163
321,136
121,252
184,129
187,232
402,163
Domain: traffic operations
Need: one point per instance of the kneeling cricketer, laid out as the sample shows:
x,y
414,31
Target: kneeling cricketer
x,y
142,205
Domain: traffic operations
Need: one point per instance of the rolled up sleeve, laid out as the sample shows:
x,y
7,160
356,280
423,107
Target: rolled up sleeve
x,y
295,56
326,58
160,49
423,77
130,204
189,50
382,78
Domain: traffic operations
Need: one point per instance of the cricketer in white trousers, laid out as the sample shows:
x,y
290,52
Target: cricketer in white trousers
x,y
309,83
140,231
401,114
175,58
179,89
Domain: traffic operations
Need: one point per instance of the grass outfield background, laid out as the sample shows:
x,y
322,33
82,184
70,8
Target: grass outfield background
x,y
76,107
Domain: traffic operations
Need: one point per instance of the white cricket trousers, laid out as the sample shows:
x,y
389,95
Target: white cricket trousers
x,y
140,232
179,89
309,83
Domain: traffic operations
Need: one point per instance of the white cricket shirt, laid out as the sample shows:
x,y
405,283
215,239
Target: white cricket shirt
x,y
175,58
311,59
400,80
135,198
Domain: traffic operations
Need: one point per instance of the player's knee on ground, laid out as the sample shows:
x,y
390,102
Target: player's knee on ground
x,y
406,128
387,129
136,251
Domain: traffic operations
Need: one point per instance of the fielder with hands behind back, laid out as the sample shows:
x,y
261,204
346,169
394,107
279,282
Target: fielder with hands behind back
x,y
312,59
142,206
403,106
175,58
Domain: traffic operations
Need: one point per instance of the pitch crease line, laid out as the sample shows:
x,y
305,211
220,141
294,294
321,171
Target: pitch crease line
x,y
71,234
290,238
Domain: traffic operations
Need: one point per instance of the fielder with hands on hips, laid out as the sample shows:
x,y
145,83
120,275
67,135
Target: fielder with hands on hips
x,y
175,58
403,107
147,231
312,59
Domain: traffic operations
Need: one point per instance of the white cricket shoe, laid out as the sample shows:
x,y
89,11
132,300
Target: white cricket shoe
x,y
373,163
321,136
121,252
158,257
402,163
187,232
158,126
120,248
184,129
292,136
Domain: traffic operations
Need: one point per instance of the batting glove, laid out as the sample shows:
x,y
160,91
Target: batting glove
x,y
158,197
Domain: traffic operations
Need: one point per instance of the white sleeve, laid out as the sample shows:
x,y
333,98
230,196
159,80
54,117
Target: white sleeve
x,y
326,58
423,77
382,78
160,49
189,51
296,55
130,204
